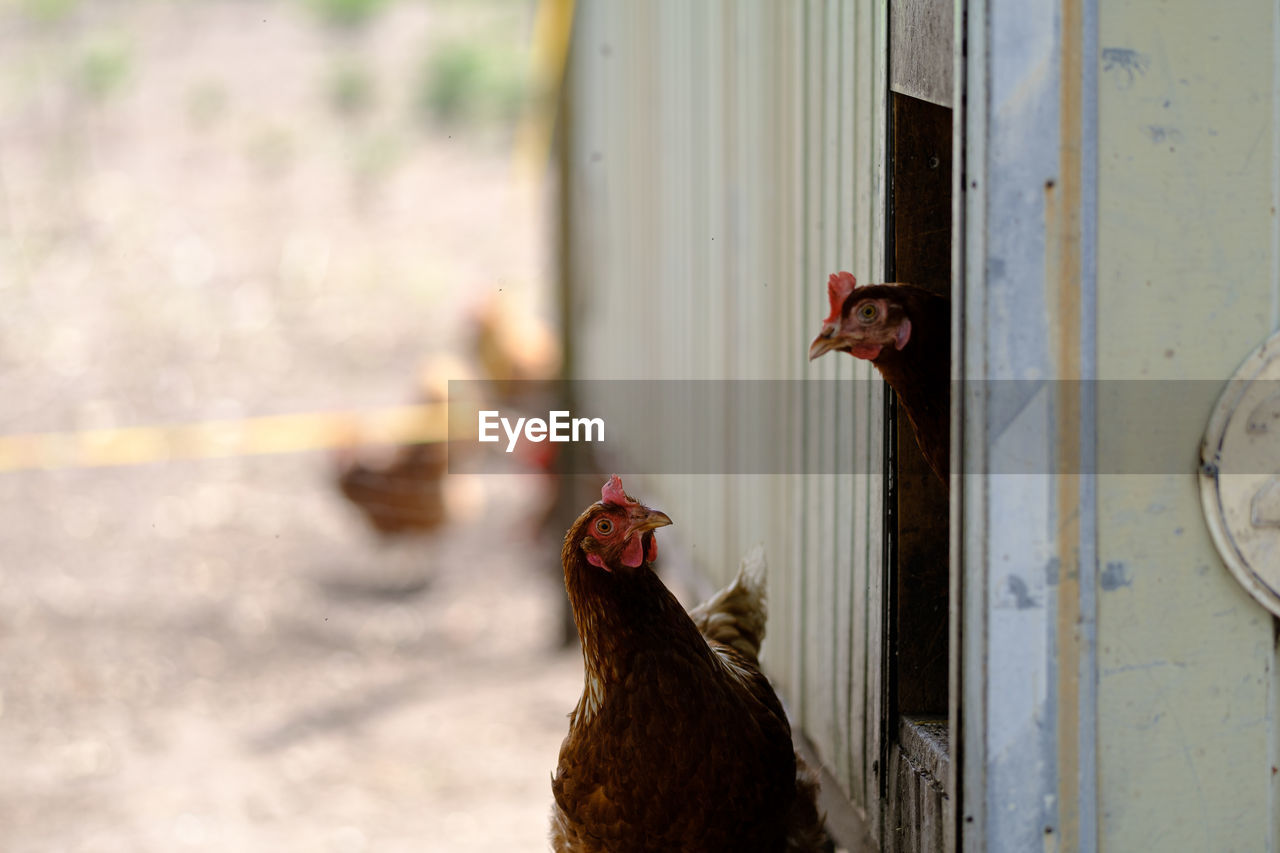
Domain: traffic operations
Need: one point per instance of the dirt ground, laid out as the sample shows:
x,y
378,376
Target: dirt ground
x,y
197,223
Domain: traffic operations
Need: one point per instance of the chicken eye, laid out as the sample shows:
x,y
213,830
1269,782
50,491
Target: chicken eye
x,y
604,526
867,312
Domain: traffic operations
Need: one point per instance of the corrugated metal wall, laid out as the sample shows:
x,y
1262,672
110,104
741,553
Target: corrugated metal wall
x,y
723,158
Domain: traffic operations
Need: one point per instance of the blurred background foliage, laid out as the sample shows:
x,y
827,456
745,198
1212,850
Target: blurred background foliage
x,y
463,81
471,70
216,136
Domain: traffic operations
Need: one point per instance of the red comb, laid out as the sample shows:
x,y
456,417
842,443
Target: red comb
x,y
612,492
839,286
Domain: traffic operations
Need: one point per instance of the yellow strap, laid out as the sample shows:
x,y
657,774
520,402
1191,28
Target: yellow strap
x,y
224,438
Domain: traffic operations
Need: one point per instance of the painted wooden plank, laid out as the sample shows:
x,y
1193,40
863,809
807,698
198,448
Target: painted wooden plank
x,y
814,555
682,87
871,200
755,354
850,712
773,303
698,295
791,281
921,50
669,163
825,126
846,50
969,511
676,93
1011,125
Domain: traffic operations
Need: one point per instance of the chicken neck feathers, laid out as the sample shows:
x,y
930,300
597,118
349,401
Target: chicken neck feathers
x,y
920,373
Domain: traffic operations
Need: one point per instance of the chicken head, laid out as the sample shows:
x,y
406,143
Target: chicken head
x,y
617,532
863,321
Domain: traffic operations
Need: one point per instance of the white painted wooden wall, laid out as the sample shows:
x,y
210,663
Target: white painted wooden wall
x,y
724,157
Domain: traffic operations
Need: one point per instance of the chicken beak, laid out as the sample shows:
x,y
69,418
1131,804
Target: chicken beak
x,y
646,519
824,343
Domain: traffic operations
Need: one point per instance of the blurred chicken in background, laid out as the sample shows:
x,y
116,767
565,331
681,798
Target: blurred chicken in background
x,y
511,346
221,222
405,492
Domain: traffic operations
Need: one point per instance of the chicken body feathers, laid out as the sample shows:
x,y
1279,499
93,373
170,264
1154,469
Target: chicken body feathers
x,y
685,746
736,615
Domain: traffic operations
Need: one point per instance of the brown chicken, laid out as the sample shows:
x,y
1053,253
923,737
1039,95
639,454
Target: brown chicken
x,y
513,349
400,490
678,742
905,331
402,494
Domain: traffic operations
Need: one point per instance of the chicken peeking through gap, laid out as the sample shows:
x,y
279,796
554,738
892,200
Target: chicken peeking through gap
x,y
905,331
678,742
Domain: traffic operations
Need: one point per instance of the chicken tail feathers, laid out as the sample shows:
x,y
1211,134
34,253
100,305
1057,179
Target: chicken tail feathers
x,y
736,615
806,831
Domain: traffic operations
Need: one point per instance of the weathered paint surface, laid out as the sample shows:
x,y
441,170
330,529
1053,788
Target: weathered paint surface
x,y
917,773
1012,544
920,32
725,157
1186,289
1120,223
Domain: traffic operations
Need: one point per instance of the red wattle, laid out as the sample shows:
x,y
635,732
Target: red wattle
x,y
653,550
633,554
